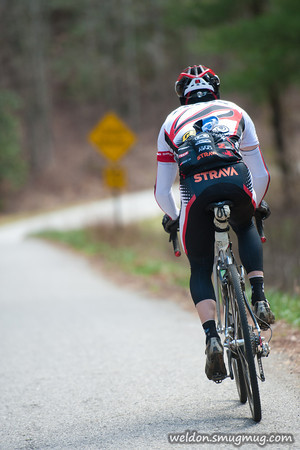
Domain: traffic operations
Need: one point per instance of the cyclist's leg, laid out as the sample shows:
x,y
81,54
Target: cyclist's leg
x,y
251,251
251,254
197,230
196,224
197,233
199,240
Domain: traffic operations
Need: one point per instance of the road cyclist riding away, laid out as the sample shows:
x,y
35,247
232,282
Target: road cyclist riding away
x,y
215,145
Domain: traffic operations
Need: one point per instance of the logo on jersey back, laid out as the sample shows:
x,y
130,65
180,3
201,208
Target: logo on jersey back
x,y
211,174
188,134
220,129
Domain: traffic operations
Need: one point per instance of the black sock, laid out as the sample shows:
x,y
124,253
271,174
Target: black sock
x,y
210,329
257,286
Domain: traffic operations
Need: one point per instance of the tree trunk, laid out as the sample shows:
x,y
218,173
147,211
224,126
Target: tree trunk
x,y
130,62
277,118
37,101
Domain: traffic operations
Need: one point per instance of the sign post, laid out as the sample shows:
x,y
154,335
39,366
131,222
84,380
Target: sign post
x,y
112,138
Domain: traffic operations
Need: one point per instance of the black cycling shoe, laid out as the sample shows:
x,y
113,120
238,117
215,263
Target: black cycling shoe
x,y
215,368
264,315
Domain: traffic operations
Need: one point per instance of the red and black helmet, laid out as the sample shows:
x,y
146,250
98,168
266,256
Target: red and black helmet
x,y
197,81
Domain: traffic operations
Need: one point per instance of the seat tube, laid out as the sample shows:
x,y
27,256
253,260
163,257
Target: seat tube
x,y
221,245
217,294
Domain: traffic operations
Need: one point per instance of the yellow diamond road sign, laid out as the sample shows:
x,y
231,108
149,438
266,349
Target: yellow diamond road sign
x,y
112,137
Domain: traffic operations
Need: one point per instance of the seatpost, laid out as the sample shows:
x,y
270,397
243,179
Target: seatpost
x,y
222,214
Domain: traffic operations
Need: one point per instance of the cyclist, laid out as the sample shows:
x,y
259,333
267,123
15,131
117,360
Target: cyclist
x,y
215,145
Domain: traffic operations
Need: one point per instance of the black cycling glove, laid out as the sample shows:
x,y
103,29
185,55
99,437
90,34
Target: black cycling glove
x,y
170,226
263,210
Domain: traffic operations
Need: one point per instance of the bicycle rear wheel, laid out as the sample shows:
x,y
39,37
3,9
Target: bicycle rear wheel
x,y
235,363
245,365
239,379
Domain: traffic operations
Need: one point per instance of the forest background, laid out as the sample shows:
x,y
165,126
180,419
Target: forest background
x,y
66,63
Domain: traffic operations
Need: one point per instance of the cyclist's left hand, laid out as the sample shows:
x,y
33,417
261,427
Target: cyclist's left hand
x,y
263,210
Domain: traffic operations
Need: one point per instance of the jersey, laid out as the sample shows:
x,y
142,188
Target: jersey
x,y
232,122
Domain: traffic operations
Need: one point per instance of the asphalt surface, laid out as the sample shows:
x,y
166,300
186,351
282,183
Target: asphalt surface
x,y
85,364
120,210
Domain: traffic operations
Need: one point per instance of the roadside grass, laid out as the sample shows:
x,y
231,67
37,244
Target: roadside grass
x,y
285,306
142,250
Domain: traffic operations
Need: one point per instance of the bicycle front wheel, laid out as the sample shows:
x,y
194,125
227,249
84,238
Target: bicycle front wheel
x,y
245,364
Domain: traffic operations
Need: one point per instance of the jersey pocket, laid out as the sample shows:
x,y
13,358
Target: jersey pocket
x,y
205,151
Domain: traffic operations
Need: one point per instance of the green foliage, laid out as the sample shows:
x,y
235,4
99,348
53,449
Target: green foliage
x,y
285,307
265,48
12,166
95,47
203,14
99,49
256,42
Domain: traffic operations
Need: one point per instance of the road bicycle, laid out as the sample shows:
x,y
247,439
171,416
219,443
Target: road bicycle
x,y
236,323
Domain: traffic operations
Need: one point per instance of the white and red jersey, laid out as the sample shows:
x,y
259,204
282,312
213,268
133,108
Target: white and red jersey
x,y
233,122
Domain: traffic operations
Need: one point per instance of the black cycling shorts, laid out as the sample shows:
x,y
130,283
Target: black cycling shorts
x,y
234,183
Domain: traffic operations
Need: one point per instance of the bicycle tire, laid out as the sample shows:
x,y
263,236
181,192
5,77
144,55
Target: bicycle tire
x,y
220,302
245,353
239,380
235,363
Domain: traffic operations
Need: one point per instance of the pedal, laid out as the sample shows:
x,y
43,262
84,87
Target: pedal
x,y
265,349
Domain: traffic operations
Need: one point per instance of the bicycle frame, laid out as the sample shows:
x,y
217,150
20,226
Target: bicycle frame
x,y
223,258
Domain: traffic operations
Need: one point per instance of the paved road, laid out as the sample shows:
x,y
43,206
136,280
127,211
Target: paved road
x,y
88,365
121,209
